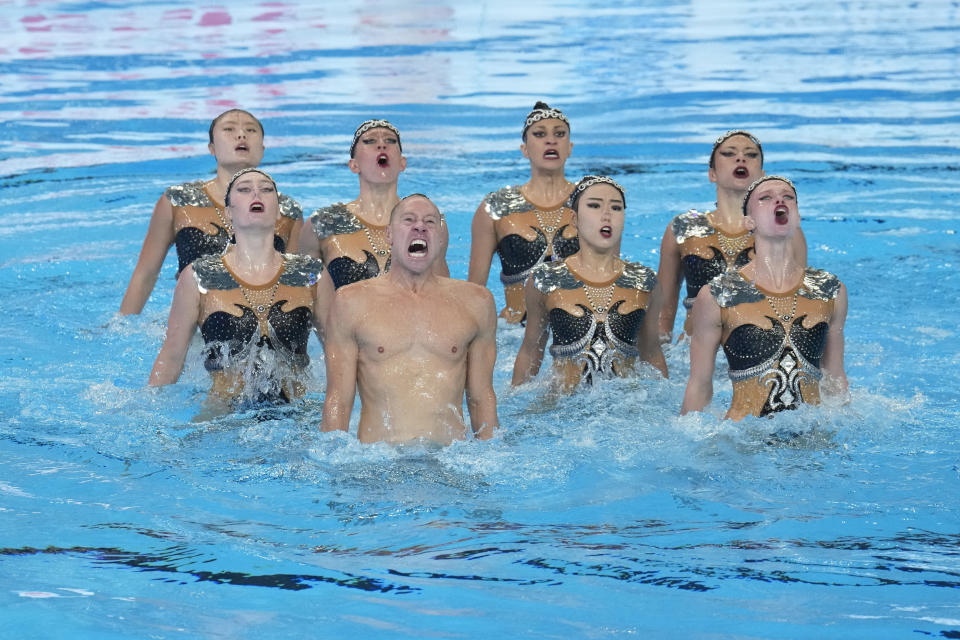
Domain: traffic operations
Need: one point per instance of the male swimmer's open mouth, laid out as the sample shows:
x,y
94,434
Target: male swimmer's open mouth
x,y
606,231
383,160
741,172
782,214
417,248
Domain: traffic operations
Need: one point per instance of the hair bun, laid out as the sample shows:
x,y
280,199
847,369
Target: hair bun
x,y
540,105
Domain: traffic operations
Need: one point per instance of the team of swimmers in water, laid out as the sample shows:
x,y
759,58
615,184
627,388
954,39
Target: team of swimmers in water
x,y
370,278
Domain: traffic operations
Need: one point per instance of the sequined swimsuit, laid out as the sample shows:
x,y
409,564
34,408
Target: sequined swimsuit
x,y
200,225
270,352
783,361
598,347
336,220
695,235
519,256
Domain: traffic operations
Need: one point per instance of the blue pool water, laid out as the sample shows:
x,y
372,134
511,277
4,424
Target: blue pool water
x,y
605,516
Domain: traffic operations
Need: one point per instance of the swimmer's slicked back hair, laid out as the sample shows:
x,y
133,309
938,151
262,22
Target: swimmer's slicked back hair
x,y
729,134
241,173
588,181
366,125
213,124
760,181
396,207
542,111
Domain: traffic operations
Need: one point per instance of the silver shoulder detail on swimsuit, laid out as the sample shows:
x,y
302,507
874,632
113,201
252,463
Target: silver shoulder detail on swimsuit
x,y
211,273
637,276
289,208
692,224
550,276
300,271
503,202
730,289
189,194
819,285
334,220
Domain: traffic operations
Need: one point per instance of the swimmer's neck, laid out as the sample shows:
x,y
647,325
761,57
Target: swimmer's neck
x,y
729,212
409,280
546,186
375,202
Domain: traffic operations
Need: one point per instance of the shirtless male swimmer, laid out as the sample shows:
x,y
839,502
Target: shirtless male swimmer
x,y
413,342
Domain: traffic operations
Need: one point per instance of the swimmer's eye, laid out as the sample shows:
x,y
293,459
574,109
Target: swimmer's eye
x,y
593,205
560,133
752,154
538,133
243,189
728,154
789,196
268,188
368,140
253,130
617,207
391,141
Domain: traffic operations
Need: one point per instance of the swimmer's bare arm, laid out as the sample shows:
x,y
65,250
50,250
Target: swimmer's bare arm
x,y
152,254
707,331
481,359
835,378
293,245
342,352
483,243
184,314
440,267
670,276
648,342
308,243
530,355
323,293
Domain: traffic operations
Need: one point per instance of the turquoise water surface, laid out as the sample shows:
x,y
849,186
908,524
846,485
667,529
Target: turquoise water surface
x,y
604,516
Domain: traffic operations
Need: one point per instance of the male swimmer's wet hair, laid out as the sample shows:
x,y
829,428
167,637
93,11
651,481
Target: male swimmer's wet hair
x,y
542,111
727,136
366,125
396,207
758,182
217,119
588,181
242,172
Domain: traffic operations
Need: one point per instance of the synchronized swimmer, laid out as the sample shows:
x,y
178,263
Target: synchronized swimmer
x,y
370,278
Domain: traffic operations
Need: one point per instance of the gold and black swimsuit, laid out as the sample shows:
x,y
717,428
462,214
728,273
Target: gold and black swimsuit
x,y
195,214
336,220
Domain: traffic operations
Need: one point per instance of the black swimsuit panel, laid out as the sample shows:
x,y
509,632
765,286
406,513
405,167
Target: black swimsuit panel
x,y
344,270
192,243
292,330
749,345
698,271
568,328
518,255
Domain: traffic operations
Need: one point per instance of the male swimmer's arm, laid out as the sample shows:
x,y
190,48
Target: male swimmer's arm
x,y
670,276
704,343
184,313
152,254
308,243
483,243
835,378
649,338
481,359
530,355
341,351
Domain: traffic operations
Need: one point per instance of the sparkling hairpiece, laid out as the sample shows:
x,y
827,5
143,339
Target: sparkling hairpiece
x,y
373,124
758,182
543,114
588,181
730,134
238,174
